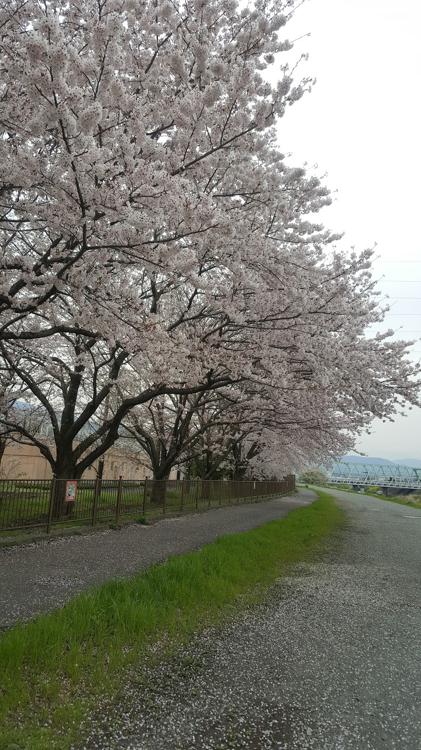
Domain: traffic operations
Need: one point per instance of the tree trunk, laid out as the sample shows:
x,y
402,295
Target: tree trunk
x,y
100,474
159,487
205,489
2,448
64,469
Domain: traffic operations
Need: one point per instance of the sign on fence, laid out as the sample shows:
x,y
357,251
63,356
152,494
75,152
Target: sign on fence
x,y
71,491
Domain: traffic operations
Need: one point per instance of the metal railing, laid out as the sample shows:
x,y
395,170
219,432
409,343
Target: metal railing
x,y
41,503
381,475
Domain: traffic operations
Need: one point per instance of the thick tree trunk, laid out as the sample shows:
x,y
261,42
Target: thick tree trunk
x,y
205,488
100,474
2,448
65,469
159,487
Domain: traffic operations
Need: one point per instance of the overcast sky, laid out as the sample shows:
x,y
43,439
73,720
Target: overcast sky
x,y
362,126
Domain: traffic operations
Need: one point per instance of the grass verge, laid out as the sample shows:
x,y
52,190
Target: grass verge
x,y
412,501
54,669
403,500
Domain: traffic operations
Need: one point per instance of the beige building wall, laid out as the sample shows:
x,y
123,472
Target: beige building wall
x,y
26,462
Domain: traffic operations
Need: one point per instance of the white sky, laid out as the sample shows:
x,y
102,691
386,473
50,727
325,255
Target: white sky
x,y
362,126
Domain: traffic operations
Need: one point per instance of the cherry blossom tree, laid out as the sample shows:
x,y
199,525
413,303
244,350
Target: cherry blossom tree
x,y
9,387
64,385
156,245
301,379
129,131
168,429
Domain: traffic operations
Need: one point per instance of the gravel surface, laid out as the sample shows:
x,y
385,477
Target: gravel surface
x,y
42,576
330,661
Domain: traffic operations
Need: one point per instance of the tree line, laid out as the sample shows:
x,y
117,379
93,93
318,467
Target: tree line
x,y
165,278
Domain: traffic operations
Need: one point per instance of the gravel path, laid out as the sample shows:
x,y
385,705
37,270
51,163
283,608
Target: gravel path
x,y
331,661
42,576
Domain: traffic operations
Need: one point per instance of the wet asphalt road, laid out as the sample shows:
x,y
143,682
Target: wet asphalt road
x,y
330,661
39,577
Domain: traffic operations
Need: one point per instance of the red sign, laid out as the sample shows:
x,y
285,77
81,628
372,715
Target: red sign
x,y
71,491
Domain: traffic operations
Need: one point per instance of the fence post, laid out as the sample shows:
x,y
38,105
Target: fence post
x,y
51,504
118,503
95,500
145,485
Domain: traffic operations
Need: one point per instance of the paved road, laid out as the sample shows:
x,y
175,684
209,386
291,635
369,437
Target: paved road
x,y
331,661
39,577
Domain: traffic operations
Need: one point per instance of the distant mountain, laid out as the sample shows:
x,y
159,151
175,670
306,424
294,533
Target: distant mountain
x,y
366,460
415,463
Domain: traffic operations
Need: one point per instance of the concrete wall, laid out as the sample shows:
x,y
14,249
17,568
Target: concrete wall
x,y
26,462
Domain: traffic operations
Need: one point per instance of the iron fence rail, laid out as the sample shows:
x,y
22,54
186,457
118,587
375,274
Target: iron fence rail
x,y
382,475
35,503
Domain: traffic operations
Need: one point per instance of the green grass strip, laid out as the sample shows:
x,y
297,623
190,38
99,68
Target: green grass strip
x,y
54,669
412,501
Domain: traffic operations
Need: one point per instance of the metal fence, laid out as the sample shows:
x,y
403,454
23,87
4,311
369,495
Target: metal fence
x,y
40,503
